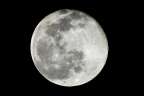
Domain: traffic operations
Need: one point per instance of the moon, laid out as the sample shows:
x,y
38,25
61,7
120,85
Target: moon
x,y
79,31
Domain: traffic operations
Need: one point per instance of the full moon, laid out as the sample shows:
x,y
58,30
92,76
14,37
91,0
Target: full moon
x,y
69,48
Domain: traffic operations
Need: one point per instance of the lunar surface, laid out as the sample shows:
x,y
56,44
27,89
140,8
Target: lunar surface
x,y
69,48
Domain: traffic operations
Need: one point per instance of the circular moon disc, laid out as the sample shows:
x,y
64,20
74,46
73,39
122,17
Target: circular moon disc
x,y
81,31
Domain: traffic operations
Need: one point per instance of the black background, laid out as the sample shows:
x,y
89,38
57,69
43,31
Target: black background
x,y
23,77
96,9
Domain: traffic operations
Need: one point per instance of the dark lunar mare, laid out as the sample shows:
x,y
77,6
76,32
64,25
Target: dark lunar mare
x,y
63,11
77,56
65,24
76,15
78,69
52,30
56,29
60,74
64,71
45,52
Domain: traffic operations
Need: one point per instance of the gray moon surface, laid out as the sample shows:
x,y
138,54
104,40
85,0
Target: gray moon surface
x,y
85,34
